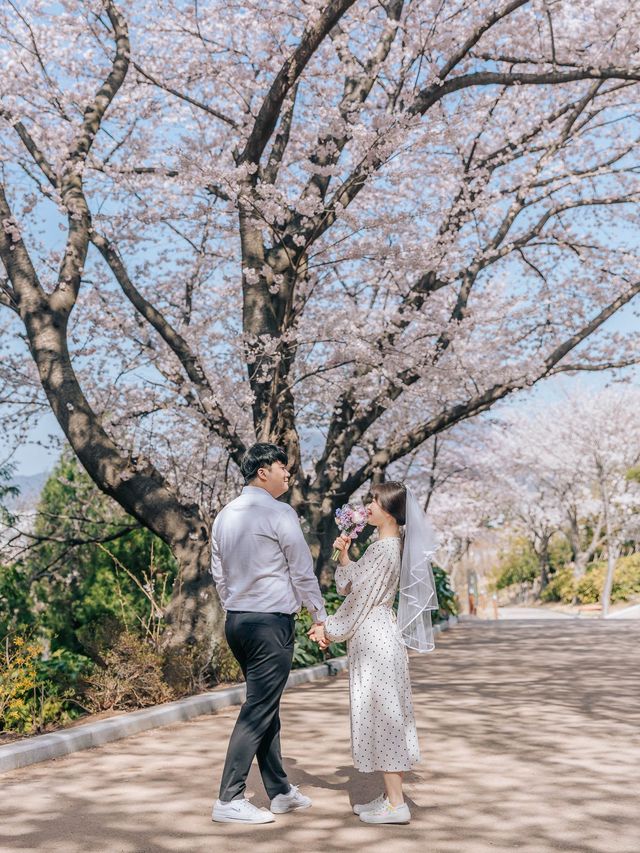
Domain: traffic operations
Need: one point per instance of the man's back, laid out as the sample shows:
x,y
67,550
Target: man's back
x,y
260,561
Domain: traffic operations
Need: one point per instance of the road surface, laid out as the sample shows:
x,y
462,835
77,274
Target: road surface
x,y
531,738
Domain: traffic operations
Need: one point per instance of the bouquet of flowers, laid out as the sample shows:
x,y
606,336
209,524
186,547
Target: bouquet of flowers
x,y
351,521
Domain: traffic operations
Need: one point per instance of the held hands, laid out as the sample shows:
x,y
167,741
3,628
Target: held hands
x,y
316,633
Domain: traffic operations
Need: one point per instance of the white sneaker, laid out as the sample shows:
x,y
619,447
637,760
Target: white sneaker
x,y
240,811
372,806
290,802
386,813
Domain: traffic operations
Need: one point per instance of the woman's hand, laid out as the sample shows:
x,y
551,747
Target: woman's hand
x,y
316,633
342,544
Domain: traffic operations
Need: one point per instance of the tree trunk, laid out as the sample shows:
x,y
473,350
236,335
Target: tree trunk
x,y
612,547
612,555
194,615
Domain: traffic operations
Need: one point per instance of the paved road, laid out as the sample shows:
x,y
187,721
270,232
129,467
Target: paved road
x,y
531,740
632,612
521,612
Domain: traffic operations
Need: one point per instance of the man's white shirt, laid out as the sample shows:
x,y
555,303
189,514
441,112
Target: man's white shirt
x,y
260,561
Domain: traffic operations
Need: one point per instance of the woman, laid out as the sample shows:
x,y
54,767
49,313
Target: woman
x,y
383,731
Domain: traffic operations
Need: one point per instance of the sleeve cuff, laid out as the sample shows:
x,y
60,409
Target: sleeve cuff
x,y
320,615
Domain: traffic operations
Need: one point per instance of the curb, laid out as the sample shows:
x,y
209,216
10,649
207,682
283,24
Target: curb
x,y
55,745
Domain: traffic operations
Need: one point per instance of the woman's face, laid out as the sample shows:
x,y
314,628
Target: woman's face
x,y
377,515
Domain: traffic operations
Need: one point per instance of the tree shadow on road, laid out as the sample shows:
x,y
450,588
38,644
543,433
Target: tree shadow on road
x,y
530,741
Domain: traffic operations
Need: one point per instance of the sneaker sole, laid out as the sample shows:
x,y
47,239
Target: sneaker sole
x,y
380,822
292,809
241,820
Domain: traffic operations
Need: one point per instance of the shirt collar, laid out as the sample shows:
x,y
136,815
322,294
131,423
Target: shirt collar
x,y
257,491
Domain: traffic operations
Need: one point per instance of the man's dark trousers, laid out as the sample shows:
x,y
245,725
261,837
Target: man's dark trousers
x,y
262,643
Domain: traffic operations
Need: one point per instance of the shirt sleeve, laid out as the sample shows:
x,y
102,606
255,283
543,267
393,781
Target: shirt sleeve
x,y
342,578
300,563
216,568
369,578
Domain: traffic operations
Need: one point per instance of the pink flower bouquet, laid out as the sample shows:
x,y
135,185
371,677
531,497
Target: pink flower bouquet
x,y
351,520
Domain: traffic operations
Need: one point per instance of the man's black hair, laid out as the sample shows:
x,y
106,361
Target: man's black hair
x,y
261,455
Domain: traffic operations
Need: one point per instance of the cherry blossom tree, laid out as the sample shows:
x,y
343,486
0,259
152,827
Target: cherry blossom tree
x,y
342,226
564,468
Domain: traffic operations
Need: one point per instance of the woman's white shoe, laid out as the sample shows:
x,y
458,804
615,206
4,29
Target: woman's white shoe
x,y
240,811
386,813
290,802
368,807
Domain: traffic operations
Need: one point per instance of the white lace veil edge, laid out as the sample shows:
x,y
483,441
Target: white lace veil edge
x,y
418,596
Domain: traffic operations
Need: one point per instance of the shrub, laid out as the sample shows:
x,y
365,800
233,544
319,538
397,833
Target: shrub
x,y
36,694
517,565
589,586
17,683
561,587
626,581
446,596
132,677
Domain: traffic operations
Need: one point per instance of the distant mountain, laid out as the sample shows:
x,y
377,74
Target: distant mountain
x,y
30,488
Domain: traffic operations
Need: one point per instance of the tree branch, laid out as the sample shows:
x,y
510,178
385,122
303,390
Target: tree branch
x,y
483,401
211,408
287,77
70,275
428,97
187,98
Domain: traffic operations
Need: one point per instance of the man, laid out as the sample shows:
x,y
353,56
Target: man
x,y
263,571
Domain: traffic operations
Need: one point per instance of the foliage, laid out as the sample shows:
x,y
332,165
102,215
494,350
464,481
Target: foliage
x,y
517,565
626,581
588,589
7,490
36,694
559,553
446,595
561,587
79,585
17,613
131,677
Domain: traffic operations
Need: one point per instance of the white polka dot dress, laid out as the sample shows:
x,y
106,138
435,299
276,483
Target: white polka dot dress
x,y
383,729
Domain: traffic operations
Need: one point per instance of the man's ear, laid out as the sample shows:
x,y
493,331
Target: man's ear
x,y
261,474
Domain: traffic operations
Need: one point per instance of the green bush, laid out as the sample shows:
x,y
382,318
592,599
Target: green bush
x,y
446,596
589,586
626,581
36,694
561,587
588,589
517,565
75,588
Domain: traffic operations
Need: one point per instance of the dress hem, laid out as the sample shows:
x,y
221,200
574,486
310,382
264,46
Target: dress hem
x,y
386,769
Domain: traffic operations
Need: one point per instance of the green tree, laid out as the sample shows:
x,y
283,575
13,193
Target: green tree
x,y
90,563
7,489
